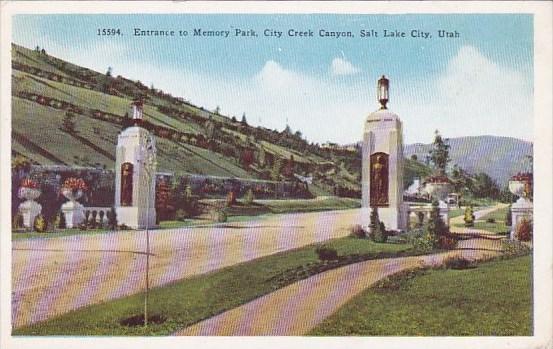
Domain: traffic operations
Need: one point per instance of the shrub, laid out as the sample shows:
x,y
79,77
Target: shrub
x,y
180,214
458,263
447,242
86,217
93,219
523,230
219,215
469,217
231,198
101,223
424,242
420,217
509,217
40,224
326,253
513,248
490,220
112,219
61,223
357,231
17,221
249,197
379,235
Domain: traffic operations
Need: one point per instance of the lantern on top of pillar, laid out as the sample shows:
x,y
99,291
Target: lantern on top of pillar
x,y
382,91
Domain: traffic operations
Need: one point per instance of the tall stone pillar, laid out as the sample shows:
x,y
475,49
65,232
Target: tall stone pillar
x,y
135,176
382,165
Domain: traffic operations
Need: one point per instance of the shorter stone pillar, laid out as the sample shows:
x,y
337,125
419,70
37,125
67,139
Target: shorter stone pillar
x,y
444,211
73,212
29,210
523,208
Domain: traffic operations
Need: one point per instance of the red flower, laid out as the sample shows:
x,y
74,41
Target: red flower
x,y
75,184
29,183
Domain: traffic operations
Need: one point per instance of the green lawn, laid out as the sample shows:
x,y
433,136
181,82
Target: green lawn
x,y
497,227
52,234
190,300
494,299
331,203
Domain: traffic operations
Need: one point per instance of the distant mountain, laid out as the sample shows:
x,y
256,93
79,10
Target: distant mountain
x,y
499,157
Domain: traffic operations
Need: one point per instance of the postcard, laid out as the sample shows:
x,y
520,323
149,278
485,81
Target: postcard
x,y
293,174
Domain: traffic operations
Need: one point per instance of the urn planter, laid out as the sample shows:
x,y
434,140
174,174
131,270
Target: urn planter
x,y
29,208
73,210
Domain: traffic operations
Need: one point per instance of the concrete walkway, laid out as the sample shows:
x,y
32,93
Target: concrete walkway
x,y
56,275
296,309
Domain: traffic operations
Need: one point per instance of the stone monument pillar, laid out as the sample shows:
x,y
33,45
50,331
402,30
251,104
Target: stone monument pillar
x,y
135,168
382,165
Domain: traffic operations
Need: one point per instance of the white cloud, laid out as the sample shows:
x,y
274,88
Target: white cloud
x,y
473,96
341,66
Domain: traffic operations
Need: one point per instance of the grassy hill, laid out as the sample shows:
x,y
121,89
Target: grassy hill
x,y
193,140
190,139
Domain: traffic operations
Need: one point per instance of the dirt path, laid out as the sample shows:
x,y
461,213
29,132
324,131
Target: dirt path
x,y
53,276
296,309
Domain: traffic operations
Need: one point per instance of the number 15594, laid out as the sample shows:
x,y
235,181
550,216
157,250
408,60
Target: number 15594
x,y
106,32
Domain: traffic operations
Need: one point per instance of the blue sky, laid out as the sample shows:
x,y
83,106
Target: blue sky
x,y
479,83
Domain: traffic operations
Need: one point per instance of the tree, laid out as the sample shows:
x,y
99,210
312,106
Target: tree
x,y
414,157
469,217
287,130
484,186
112,218
108,72
249,197
439,154
377,230
277,167
509,217
68,123
435,226
244,121
217,110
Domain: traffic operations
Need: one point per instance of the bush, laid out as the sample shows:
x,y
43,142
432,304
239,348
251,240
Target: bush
x,y
458,263
93,219
101,223
181,214
379,235
112,219
249,197
40,224
509,217
219,215
424,242
377,230
357,231
231,198
469,217
447,242
490,220
86,217
61,223
326,253
513,248
17,221
523,230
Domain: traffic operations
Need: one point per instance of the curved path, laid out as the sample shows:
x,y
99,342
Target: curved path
x,y
296,309
56,275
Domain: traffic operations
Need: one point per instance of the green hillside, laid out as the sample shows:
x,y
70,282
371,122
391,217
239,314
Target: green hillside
x,y
190,139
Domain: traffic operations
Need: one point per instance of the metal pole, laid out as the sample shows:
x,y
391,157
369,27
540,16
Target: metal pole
x,y
147,252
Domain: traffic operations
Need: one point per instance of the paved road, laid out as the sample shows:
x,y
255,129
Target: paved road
x,y
53,276
296,309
